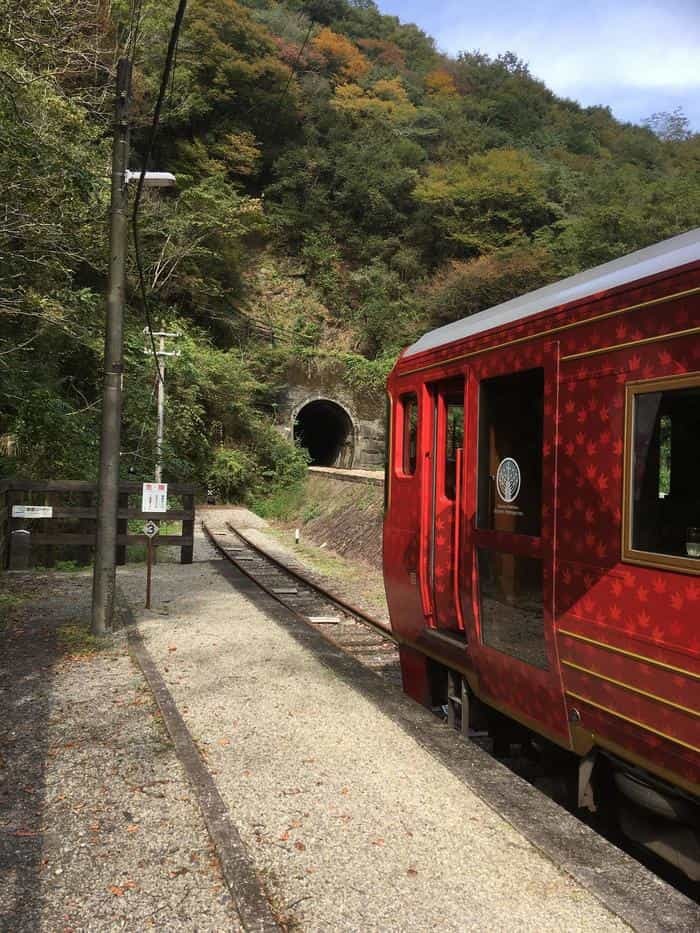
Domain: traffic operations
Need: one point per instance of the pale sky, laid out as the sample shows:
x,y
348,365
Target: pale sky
x,y
637,56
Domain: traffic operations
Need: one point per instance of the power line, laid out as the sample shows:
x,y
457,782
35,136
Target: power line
x,y
134,28
297,60
169,59
292,74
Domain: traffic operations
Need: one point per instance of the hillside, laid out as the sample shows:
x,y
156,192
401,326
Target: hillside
x,y
342,186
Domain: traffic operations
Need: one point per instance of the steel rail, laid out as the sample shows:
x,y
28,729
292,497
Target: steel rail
x,y
342,604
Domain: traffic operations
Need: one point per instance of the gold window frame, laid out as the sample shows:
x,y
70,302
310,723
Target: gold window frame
x,y
629,554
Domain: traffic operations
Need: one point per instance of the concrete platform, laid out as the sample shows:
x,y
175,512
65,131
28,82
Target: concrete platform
x,y
375,477
356,806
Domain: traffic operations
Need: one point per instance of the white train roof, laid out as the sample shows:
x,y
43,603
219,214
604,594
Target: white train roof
x,y
662,257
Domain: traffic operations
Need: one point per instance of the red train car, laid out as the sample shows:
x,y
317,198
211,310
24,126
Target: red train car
x,y
542,531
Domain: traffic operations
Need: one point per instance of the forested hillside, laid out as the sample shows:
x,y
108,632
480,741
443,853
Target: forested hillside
x,y
342,186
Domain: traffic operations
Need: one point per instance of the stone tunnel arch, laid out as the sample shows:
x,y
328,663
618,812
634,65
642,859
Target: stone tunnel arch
x,y
326,429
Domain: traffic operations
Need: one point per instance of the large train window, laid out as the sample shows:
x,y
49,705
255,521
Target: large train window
x,y
661,522
510,453
409,434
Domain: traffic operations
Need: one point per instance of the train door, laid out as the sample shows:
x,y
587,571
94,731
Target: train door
x,y
447,444
514,650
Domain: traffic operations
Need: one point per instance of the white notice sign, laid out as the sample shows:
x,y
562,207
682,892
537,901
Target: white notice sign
x,y
154,497
32,511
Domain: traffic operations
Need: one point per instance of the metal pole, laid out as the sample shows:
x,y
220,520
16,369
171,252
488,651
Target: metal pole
x,y
161,412
103,581
149,568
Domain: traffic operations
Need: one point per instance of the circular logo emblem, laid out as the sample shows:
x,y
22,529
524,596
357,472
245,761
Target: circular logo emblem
x,y
508,479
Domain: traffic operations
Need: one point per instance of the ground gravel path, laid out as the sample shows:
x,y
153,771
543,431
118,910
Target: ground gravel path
x,y
99,829
350,823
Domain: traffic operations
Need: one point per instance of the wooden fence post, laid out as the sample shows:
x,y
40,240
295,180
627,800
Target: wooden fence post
x,y
187,550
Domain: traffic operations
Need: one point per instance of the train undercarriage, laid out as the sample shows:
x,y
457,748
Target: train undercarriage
x,y
655,816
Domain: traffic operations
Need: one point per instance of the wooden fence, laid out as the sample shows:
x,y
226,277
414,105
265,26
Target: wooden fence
x,y
74,514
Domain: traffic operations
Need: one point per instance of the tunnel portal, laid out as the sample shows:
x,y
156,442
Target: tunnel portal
x,y
325,429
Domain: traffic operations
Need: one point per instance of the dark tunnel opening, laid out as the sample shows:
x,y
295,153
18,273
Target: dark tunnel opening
x,y
325,430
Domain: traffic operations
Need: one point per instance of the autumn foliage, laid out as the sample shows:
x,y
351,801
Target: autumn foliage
x,y
342,56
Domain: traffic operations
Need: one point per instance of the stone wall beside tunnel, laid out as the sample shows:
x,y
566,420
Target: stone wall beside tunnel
x,y
336,428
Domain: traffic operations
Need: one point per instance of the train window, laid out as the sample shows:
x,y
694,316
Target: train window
x,y
454,439
512,615
409,458
662,514
511,411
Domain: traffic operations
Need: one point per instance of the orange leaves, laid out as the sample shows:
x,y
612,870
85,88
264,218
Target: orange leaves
x,y
119,890
342,56
440,83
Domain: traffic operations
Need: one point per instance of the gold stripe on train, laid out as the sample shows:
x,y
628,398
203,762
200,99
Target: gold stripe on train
x,y
634,722
551,330
630,654
626,686
613,348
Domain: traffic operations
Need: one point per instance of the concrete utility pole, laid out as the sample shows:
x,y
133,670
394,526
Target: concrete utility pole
x,y
104,573
162,354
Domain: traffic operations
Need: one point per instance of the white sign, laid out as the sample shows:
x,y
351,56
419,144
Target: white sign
x,y
150,529
154,497
32,511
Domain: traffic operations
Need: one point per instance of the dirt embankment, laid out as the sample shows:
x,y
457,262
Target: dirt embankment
x,y
347,516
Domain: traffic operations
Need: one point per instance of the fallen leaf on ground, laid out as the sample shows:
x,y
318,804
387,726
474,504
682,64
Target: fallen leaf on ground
x,y
299,845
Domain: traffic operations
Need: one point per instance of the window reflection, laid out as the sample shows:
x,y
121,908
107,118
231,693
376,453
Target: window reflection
x,y
512,617
410,434
454,439
511,411
666,454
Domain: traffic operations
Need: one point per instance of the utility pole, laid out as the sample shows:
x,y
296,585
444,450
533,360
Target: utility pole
x,y
162,355
104,574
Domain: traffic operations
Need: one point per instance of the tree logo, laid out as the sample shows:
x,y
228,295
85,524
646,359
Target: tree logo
x,y
508,479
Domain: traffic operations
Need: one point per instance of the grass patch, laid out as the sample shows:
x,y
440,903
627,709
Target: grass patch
x,y
78,639
281,504
323,562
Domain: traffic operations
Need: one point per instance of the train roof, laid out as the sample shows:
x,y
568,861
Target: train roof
x,y
662,257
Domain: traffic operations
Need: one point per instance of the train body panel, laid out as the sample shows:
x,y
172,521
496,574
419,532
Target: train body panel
x,y
543,500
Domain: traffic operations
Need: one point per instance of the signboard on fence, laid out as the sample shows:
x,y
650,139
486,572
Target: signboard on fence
x,y
32,511
154,497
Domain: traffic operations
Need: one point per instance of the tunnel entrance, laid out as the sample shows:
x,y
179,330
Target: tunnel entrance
x,y
324,428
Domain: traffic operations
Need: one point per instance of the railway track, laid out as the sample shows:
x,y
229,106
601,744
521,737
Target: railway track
x,y
349,627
